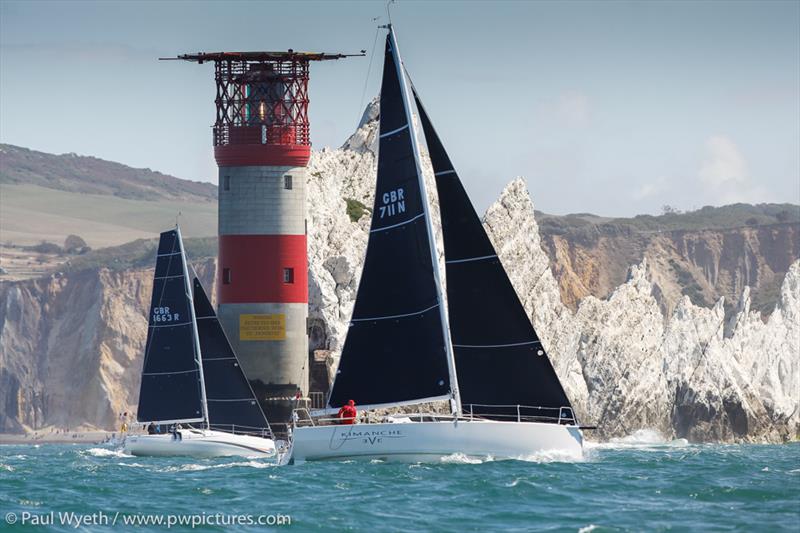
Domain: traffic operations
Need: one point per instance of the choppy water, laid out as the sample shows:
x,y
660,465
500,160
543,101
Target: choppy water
x,y
636,484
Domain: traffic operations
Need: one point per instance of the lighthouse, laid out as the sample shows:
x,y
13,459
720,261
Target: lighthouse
x,y
262,147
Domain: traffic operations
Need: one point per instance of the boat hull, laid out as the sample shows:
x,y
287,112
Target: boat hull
x,y
203,444
432,441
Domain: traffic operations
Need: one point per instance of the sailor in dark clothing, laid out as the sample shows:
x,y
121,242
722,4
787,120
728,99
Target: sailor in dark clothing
x,y
151,429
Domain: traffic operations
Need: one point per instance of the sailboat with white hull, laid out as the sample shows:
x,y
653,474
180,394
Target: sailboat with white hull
x,y
191,376
403,347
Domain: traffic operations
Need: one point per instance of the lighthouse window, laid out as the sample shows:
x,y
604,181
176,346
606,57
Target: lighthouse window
x,y
226,183
288,275
287,182
226,276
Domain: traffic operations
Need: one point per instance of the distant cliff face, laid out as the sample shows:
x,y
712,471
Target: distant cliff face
x,y
71,347
705,264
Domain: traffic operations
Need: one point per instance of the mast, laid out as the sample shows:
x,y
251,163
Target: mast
x,y
455,394
195,334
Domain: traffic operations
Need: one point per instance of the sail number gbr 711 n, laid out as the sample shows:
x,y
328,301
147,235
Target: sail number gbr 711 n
x,y
394,203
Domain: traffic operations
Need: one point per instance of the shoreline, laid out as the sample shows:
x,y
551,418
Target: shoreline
x,y
77,437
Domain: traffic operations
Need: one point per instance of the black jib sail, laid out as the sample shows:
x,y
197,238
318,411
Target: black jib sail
x,y
500,361
395,350
231,401
171,378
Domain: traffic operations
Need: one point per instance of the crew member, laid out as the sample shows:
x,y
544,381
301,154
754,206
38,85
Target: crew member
x,y
347,414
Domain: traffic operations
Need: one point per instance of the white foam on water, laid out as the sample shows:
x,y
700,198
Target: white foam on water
x,y
587,529
194,467
132,465
546,456
643,439
552,456
7,468
460,458
106,452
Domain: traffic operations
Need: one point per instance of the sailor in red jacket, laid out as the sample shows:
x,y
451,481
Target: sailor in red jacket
x,y
347,414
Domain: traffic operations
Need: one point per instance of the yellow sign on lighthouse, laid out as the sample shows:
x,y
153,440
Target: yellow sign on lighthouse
x,y
262,327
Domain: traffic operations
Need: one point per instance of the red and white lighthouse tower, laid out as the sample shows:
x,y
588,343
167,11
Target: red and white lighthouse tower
x,y
262,147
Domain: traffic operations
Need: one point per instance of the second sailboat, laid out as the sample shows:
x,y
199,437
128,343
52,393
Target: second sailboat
x,y
403,347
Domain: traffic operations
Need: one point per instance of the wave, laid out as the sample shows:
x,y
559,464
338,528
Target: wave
x,y
640,439
194,467
461,459
105,452
552,456
545,456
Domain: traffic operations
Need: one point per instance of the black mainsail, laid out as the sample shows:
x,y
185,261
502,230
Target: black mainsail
x,y
397,347
231,402
502,368
172,380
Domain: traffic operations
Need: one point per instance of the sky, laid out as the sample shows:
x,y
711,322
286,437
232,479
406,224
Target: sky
x,y
613,108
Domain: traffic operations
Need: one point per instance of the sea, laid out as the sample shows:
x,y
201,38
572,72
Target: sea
x,y
638,483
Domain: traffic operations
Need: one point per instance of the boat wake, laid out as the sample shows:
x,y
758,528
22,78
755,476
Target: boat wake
x,y
104,452
644,439
197,467
194,467
550,456
461,459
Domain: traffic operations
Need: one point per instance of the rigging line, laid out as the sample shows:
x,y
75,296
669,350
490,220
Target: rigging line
x,y
392,132
374,318
471,259
398,224
369,68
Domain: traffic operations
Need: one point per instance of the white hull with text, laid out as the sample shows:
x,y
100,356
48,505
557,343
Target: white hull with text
x,y
409,441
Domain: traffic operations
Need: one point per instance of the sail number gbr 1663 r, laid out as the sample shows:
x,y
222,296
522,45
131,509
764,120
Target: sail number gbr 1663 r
x,y
163,314
394,203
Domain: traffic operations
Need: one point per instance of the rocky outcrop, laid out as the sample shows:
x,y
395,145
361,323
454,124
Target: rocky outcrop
x,y
71,345
626,365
